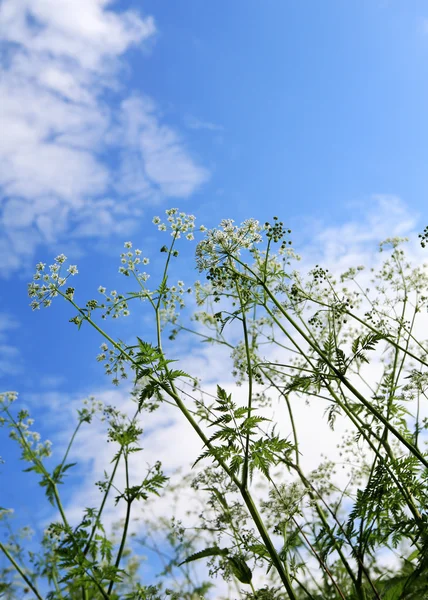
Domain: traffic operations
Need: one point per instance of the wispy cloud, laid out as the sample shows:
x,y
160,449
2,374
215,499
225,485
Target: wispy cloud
x,y
355,241
58,60
168,168
195,123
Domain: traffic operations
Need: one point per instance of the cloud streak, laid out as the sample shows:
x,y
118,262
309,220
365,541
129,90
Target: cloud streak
x,y
59,133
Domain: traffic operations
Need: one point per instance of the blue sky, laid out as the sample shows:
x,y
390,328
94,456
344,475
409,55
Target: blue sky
x,y
113,112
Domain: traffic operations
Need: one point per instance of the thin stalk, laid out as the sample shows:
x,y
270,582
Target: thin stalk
x,y
320,560
360,426
305,589
70,443
387,338
331,366
349,385
309,485
57,588
172,392
250,387
290,414
206,337
20,571
324,522
98,518
268,542
126,525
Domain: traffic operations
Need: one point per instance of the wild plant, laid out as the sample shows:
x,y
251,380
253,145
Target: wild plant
x,y
350,341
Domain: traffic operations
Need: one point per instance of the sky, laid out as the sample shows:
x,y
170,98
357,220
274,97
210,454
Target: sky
x,y
112,112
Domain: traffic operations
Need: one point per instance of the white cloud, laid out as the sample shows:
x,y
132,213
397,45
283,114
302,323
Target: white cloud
x,y
168,169
59,57
355,241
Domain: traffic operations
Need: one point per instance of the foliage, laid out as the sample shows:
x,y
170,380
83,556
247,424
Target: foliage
x,y
347,342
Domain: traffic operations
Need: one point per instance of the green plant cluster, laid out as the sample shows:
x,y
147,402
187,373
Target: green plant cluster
x,y
269,529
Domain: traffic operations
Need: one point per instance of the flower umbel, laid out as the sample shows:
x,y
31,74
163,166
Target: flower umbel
x,y
42,294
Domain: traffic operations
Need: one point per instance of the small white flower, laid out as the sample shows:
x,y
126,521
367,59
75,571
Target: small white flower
x,y
146,261
60,259
156,220
137,252
102,289
72,269
190,236
128,244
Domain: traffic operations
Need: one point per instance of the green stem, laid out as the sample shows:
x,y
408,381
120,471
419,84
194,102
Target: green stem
x,y
290,414
268,543
20,571
320,560
360,426
70,444
348,384
250,387
98,518
126,526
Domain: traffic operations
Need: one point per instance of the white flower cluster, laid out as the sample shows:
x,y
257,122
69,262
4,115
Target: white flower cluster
x,y
90,407
6,399
52,281
32,447
227,240
172,301
115,304
114,362
130,262
178,223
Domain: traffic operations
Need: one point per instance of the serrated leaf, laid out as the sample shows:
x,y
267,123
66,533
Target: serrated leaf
x,y
213,551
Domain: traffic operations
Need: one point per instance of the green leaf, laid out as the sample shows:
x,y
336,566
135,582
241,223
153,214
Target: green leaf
x,y
240,569
213,551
